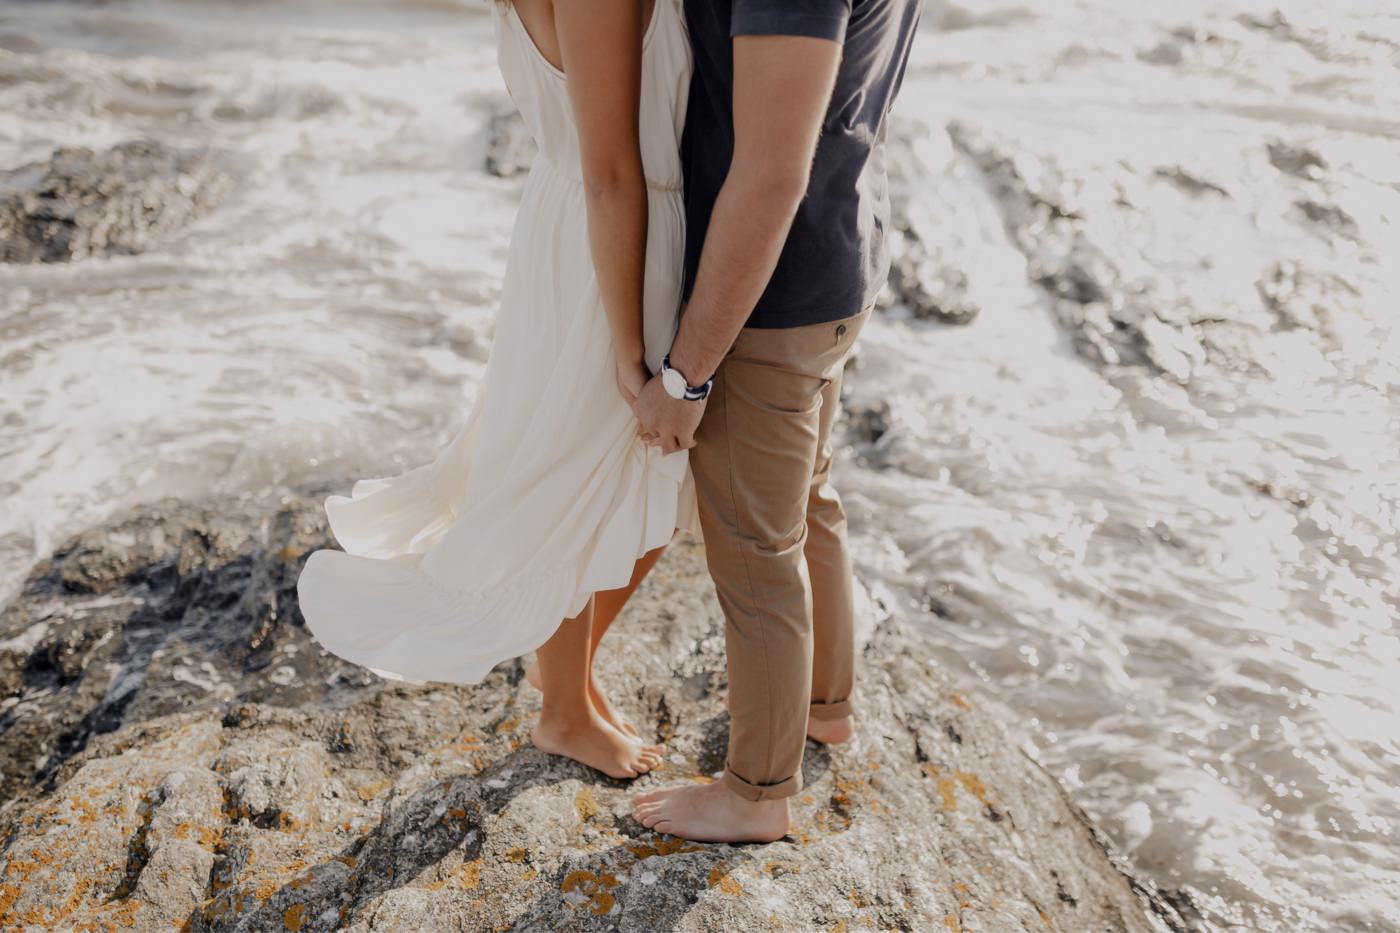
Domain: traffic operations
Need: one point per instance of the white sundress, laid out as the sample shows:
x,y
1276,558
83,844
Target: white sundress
x,y
545,495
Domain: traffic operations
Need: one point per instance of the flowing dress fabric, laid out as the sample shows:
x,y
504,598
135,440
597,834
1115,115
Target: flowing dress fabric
x,y
545,495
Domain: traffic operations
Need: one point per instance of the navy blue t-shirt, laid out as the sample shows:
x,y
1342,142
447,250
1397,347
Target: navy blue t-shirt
x,y
836,258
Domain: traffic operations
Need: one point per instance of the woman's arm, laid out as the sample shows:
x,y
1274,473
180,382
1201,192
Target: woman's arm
x,y
600,43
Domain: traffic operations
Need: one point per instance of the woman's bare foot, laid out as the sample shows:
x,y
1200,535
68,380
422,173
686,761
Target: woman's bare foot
x,y
592,741
600,700
830,731
711,813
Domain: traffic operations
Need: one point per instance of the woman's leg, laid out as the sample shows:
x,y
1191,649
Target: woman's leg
x,y
607,606
569,724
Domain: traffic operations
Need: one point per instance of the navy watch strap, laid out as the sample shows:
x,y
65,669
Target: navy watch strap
x,y
692,393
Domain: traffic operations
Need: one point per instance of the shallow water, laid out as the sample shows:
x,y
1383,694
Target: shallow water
x,y
1172,553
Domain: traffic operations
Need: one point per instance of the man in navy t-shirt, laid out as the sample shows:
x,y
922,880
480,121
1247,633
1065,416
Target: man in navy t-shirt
x,y
787,205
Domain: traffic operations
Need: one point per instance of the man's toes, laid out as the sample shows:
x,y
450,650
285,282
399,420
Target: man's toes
x,y
657,796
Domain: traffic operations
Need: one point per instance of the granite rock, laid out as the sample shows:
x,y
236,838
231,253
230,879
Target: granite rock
x,y
334,802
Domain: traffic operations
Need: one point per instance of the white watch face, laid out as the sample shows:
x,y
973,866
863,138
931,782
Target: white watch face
x,y
674,383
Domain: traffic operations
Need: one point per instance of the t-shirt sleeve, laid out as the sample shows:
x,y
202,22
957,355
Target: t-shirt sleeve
x,y
820,19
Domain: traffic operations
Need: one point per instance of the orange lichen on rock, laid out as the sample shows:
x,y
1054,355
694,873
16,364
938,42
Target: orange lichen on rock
x,y
465,876
595,890
948,790
469,874
293,917
722,879
663,847
9,893
973,785
585,804
373,789
208,837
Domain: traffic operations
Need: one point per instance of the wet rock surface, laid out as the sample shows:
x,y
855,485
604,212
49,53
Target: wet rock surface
x,y
335,801
166,610
928,255
1089,245
1113,316
85,202
510,148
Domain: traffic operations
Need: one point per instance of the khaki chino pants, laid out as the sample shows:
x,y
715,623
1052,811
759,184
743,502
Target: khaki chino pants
x,y
775,541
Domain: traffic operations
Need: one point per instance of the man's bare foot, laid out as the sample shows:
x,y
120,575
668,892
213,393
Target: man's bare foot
x,y
711,813
594,742
830,731
600,700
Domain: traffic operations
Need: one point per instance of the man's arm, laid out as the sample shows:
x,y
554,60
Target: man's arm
x,y
782,87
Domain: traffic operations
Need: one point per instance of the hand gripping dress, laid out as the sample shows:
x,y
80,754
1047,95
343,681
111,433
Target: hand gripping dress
x,y
546,494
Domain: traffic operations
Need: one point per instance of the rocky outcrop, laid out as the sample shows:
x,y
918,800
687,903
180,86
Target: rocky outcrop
x,y
929,258
323,798
1102,279
509,147
120,200
1114,316
168,609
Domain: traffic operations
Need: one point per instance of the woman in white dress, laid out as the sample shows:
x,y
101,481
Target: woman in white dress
x,y
547,505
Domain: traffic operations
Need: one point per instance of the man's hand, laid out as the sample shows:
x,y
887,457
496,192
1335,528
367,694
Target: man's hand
x,y
669,422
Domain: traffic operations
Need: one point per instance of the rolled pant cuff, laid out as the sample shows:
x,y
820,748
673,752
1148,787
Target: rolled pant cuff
x,y
828,711
750,791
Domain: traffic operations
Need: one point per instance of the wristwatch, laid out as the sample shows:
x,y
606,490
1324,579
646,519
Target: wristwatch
x,y
676,386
